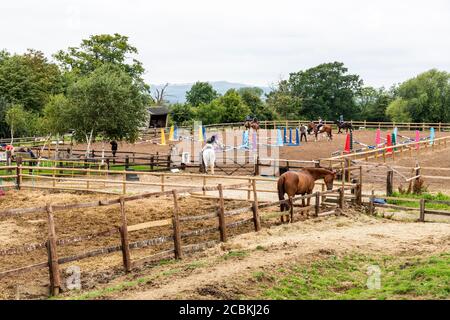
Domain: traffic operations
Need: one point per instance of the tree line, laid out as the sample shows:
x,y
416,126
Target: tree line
x,y
97,89
327,91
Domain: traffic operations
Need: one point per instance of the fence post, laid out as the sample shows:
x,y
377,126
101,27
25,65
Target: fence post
x,y
127,162
55,280
422,210
176,227
317,204
341,198
152,161
124,237
389,182
371,203
221,213
169,161
256,219
18,172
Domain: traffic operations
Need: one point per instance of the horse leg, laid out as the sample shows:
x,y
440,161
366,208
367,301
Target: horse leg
x,y
291,204
212,168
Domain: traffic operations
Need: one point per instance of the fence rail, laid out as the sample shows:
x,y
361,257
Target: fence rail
x,y
178,251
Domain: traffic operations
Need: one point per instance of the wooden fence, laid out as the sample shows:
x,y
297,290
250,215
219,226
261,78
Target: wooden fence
x,y
421,205
272,124
176,222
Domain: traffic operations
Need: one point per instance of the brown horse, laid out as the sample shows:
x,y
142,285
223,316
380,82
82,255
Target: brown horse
x,y
251,124
325,128
302,182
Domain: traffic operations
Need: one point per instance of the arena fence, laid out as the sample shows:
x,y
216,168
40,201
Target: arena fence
x,y
224,224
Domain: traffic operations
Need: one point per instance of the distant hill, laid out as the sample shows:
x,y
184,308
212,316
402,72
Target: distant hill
x,y
177,92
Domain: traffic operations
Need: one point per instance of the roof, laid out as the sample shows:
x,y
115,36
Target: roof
x,y
158,111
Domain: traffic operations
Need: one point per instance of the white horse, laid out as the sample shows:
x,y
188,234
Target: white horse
x,y
209,157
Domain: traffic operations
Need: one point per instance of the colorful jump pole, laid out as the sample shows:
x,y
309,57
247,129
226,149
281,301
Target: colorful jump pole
x,y
279,138
163,137
175,133
200,133
388,142
254,141
378,138
347,144
297,137
171,133
417,139
284,135
432,135
204,133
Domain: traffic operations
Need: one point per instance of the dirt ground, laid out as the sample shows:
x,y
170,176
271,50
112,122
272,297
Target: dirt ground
x,y
212,275
311,150
29,229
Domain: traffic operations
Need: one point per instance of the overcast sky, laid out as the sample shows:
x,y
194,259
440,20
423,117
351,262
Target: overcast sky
x,y
249,41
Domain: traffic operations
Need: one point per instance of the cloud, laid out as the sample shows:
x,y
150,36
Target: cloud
x,y
246,41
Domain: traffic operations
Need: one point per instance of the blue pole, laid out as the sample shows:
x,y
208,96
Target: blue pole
x,y
297,137
290,136
284,135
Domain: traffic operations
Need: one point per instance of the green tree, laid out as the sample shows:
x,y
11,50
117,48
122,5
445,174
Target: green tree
x,y
99,50
234,109
210,113
18,120
181,114
28,79
200,93
108,103
426,97
373,103
285,104
251,96
326,91
398,111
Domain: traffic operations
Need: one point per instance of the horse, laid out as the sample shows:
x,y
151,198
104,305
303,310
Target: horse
x,y
209,158
251,124
325,128
301,182
344,125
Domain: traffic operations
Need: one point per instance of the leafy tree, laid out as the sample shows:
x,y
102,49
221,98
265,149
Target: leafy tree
x,y
201,93
181,114
426,97
56,118
234,109
99,50
28,79
106,103
258,108
398,111
326,91
373,103
210,113
284,103
18,120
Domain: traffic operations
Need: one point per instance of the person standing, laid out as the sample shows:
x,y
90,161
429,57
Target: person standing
x,y
113,149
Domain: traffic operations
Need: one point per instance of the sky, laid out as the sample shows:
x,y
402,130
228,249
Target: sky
x,y
246,41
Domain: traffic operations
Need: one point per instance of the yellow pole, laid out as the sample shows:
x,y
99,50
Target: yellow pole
x,y
163,137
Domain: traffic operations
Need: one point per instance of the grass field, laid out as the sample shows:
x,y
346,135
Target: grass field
x,y
346,277
426,196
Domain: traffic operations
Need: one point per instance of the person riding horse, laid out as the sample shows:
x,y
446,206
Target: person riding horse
x,y
208,153
320,125
251,122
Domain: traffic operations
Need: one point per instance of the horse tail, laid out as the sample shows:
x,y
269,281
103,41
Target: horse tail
x,y
281,191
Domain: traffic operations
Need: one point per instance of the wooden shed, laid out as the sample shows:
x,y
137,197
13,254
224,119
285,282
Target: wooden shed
x,y
158,117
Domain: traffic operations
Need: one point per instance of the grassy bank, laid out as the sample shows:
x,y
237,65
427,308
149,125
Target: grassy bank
x,y
427,196
346,278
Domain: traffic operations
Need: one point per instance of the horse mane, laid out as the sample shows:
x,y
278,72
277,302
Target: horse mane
x,y
321,170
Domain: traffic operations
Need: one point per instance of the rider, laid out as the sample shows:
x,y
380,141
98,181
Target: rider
x,y
320,124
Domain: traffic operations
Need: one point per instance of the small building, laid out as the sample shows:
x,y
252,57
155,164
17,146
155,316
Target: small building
x,y
158,117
